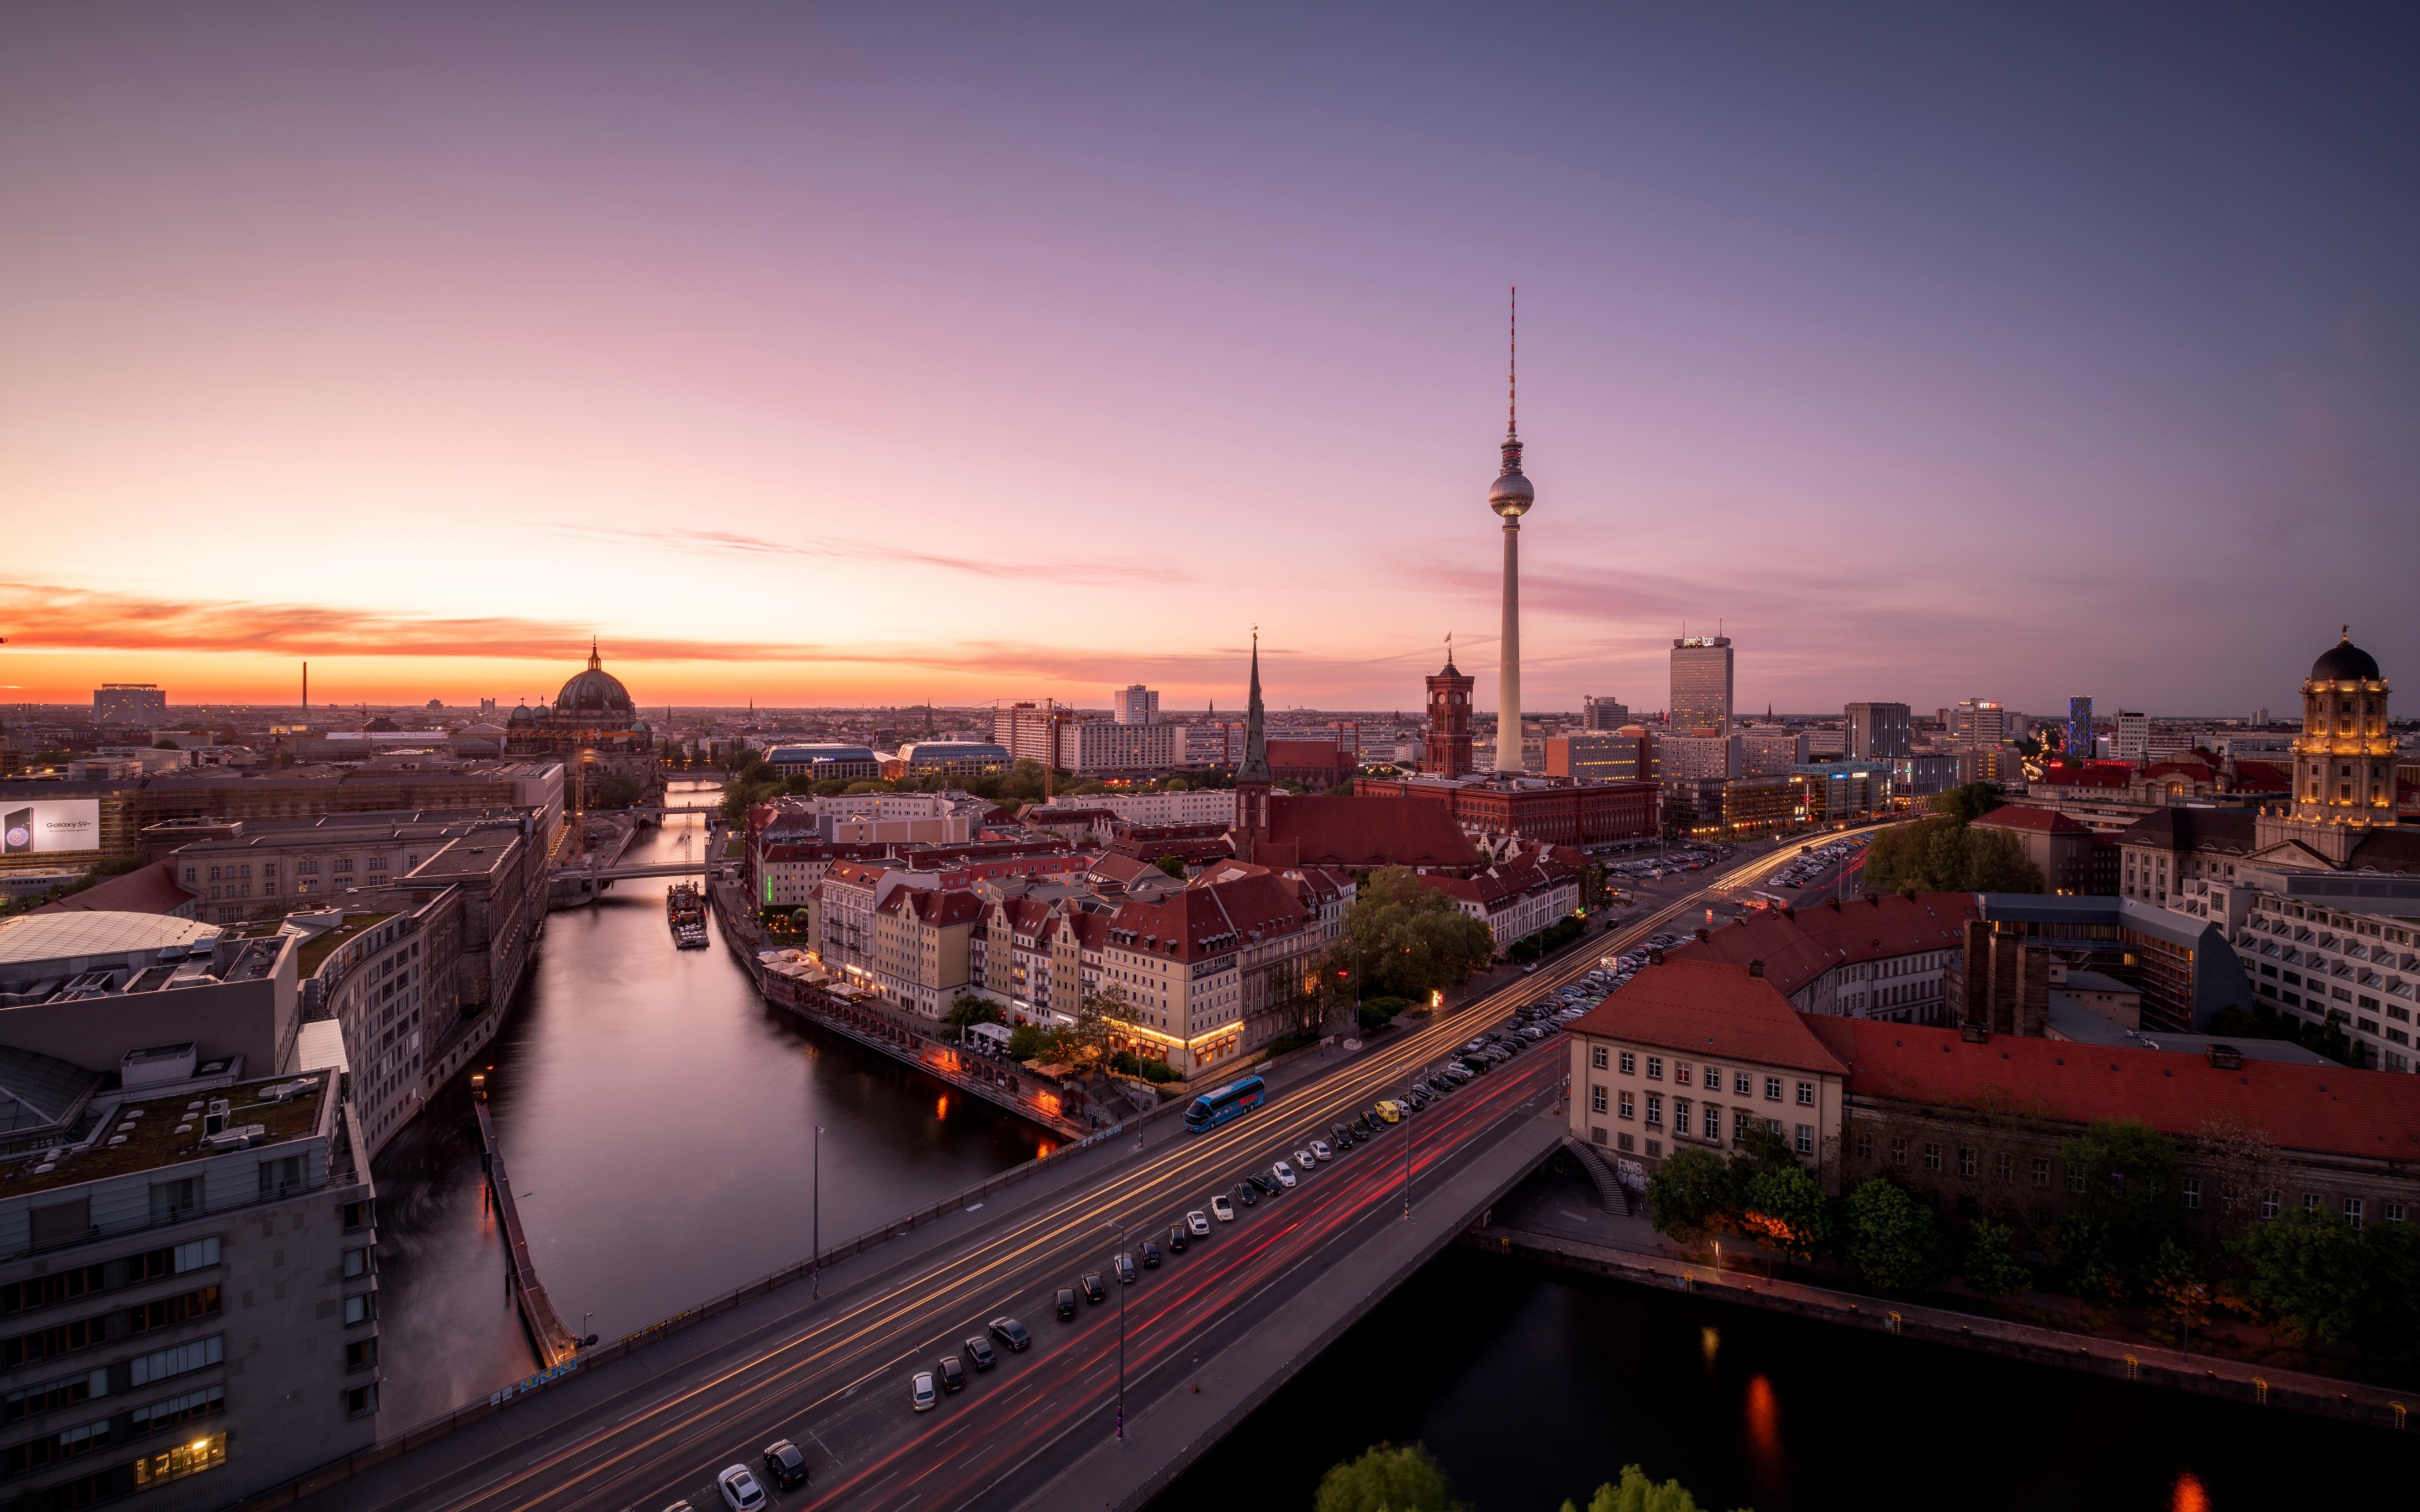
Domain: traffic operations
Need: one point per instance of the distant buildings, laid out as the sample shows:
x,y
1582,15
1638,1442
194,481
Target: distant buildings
x,y
1977,723
1879,732
1771,752
824,763
2079,729
1135,704
130,703
1701,687
1096,747
1625,755
2133,741
1603,713
1684,757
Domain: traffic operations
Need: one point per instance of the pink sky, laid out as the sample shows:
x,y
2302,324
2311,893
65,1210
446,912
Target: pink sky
x,y
870,357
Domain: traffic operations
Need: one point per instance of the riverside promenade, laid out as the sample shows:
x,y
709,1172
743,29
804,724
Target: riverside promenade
x,y
2152,1365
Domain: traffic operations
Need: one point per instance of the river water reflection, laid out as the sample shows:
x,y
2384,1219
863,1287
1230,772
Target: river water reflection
x,y
1531,1386
658,1119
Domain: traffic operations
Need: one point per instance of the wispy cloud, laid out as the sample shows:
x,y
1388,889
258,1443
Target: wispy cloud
x,y
1044,569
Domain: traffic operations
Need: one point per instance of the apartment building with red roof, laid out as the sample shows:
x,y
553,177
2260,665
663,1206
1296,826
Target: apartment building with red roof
x,y
1877,957
1517,897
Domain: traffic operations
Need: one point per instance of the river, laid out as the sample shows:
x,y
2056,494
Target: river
x,y
1532,1385
658,1119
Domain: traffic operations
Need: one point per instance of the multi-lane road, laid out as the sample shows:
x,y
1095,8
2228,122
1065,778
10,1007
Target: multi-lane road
x,y
836,1381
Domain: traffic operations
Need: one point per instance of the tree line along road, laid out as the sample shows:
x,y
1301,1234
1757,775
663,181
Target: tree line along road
x,y
834,1378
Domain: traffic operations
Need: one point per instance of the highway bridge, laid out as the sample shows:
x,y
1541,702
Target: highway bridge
x,y
1174,1360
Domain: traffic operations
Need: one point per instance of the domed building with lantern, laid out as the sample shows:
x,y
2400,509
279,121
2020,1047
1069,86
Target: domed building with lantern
x,y
594,714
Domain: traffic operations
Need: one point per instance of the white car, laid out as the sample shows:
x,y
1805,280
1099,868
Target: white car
x,y
1304,1160
741,1491
1198,1225
1284,1173
921,1391
1319,1148
1223,1208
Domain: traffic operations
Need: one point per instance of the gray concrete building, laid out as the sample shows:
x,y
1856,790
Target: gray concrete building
x,y
188,1285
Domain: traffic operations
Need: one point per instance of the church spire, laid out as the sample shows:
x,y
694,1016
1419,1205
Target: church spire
x,y
596,662
1256,744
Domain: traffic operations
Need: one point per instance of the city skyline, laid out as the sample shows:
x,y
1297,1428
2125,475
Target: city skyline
x,y
603,325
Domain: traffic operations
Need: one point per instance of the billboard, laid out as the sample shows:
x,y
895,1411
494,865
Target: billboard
x,y
50,824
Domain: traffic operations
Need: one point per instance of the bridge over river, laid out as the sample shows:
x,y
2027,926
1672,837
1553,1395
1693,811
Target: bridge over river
x,y
822,1353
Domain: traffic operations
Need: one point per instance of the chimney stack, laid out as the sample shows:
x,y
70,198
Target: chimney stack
x,y
1755,968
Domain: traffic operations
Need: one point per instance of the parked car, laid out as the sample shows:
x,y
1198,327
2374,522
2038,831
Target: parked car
x,y
1321,1150
1456,1073
1283,1173
786,1464
953,1373
1093,1290
1123,1266
979,1348
1223,1209
1417,1098
1198,1222
741,1490
1011,1332
1247,1192
921,1394
1339,1136
1151,1255
1063,1301
1176,1239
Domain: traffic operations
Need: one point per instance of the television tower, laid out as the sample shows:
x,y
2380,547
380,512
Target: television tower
x,y
1510,497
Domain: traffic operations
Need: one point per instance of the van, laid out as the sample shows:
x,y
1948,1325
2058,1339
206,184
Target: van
x,y
1390,1110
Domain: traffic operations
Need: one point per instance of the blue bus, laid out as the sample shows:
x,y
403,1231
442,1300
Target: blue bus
x,y
1215,1107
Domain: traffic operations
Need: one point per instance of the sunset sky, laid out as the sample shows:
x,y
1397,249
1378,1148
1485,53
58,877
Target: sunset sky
x,y
845,354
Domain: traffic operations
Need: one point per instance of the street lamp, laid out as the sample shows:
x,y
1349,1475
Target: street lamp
x,y
1117,1273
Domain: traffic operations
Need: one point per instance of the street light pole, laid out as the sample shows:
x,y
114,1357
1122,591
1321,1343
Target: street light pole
x,y
818,1239
1408,1155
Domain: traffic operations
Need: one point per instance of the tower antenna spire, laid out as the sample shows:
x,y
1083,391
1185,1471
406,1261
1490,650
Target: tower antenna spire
x,y
1513,369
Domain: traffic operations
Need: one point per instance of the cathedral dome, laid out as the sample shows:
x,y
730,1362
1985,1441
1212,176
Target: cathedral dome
x,y
2345,662
521,716
595,691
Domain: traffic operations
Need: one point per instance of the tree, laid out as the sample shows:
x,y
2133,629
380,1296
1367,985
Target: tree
x,y
1027,1042
1892,1238
1100,1015
1634,1492
1690,1196
2176,1288
2310,1269
1786,1210
1944,853
1968,803
970,1010
1171,865
2129,1206
164,743
1386,1478
2391,1314
1991,1266
1406,940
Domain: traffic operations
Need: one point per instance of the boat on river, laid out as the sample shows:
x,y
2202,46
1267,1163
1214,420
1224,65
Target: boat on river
x,y
685,911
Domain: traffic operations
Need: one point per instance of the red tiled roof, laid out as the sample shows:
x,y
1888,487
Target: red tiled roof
x,y
1712,1009
1356,832
2263,776
1212,919
938,907
2025,816
150,890
2332,1110
1801,944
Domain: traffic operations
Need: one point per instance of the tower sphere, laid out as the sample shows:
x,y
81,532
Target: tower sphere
x,y
1512,496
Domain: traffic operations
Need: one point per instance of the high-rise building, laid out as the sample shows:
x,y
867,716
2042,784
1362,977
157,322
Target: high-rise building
x,y
1603,713
1978,722
2079,728
1701,687
1028,730
2134,742
1510,497
2261,719
1880,732
1771,751
1446,752
1135,704
135,703
1602,756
